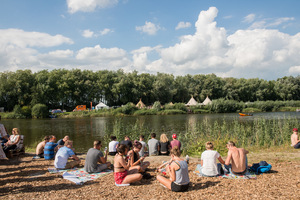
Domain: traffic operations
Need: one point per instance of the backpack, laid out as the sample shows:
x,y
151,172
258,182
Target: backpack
x,y
260,167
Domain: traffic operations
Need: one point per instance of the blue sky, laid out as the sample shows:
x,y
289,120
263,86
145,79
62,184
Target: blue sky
x,y
234,38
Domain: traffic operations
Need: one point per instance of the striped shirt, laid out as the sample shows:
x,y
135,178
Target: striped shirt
x,y
49,150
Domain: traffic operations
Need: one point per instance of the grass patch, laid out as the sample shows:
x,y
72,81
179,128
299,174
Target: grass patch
x,y
251,110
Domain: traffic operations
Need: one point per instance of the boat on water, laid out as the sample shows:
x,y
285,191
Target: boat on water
x,y
245,114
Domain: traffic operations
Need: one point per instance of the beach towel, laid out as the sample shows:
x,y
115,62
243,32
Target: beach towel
x,y
247,175
79,175
261,167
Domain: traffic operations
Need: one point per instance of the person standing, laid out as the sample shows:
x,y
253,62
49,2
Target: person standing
x,y
144,146
295,139
153,145
93,156
62,156
175,142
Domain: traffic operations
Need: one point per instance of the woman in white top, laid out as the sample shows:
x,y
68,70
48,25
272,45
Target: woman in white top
x,y
13,141
209,166
112,146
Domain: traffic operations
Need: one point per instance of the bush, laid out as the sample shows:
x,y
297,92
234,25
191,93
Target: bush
x,y
26,111
156,106
129,108
39,111
251,110
171,112
199,111
225,106
145,112
180,106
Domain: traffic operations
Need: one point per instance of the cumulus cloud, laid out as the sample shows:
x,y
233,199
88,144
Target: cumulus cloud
x,y
295,70
263,53
182,25
89,5
149,28
88,33
270,23
106,31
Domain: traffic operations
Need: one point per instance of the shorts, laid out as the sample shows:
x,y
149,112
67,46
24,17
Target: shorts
x,y
179,188
120,176
297,146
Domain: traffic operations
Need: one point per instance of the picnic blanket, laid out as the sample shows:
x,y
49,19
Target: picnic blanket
x,y
248,175
79,175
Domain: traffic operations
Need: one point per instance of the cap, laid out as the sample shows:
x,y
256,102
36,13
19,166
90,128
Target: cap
x,y
295,129
174,136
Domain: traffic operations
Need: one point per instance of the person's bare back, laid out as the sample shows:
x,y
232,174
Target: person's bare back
x,y
237,158
40,148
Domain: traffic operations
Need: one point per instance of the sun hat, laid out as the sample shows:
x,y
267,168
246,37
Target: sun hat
x,y
295,129
174,136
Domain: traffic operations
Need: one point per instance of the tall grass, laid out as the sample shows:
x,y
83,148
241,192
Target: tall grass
x,y
261,133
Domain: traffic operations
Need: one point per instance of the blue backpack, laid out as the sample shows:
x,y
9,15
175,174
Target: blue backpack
x,y
260,167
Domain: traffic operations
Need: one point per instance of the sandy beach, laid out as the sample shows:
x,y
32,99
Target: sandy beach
x,y
24,178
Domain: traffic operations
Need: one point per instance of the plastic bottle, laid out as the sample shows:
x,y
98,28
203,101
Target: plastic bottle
x,y
187,158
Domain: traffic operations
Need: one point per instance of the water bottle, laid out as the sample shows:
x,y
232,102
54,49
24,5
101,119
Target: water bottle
x,y
187,158
105,149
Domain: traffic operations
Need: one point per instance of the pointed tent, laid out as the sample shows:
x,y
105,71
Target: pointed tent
x,y
101,105
207,101
192,102
140,104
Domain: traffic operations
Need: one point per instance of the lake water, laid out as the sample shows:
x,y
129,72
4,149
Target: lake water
x,y
83,131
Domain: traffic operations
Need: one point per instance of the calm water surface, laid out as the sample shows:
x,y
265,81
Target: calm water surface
x,y
83,131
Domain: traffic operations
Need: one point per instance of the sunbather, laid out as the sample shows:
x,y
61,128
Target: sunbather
x,y
236,161
209,166
13,141
177,169
295,139
122,174
40,148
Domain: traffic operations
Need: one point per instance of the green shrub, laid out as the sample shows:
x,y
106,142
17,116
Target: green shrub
x,y
225,106
156,106
199,111
129,108
251,110
145,112
180,106
171,112
26,111
39,111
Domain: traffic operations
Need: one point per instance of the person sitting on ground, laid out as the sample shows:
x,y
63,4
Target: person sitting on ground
x,y
175,142
50,147
164,145
236,161
39,152
127,141
93,156
61,142
13,140
209,166
144,146
112,146
153,145
122,174
62,156
136,162
295,139
178,173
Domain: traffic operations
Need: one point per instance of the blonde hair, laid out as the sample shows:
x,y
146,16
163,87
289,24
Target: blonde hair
x,y
231,143
164,138
16,130
68,142
175,151
209,145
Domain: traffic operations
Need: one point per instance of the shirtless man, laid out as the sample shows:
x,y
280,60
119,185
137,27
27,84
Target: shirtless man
x,y
40,148
294,139
237,158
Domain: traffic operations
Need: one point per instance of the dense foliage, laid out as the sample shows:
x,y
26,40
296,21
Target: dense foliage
x,y
65,89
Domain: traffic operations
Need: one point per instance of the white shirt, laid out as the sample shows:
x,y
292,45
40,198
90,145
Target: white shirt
x,y
112,146
209,158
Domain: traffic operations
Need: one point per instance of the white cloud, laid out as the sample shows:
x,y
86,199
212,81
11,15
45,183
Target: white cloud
x,y
249,18
182,25
149,28
89,5
105,31
295,70
87,33
270,23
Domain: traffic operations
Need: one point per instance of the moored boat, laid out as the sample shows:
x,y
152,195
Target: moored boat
x,y
247,114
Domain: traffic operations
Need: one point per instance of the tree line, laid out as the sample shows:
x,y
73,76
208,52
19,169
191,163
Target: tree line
x,y
62,88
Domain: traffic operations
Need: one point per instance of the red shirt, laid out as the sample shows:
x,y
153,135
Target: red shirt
x,y
175,143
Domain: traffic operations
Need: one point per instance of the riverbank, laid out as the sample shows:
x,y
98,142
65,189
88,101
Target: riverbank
x,y
25,178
